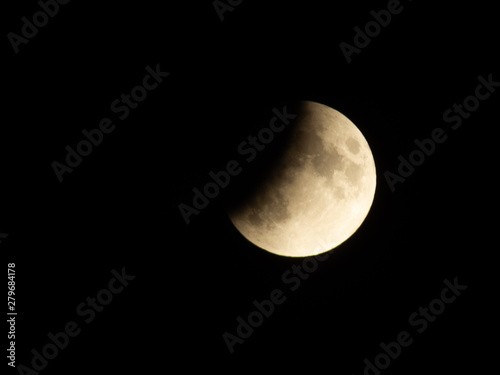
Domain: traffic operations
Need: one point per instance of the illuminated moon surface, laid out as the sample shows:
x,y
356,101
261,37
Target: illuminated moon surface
x,y
317,193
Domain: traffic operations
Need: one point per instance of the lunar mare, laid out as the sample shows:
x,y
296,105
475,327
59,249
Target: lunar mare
x,y
318,191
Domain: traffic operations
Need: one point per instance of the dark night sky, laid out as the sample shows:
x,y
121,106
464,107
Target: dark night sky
x,y
118,208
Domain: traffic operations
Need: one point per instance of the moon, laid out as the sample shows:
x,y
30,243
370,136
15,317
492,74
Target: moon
x,y
316,192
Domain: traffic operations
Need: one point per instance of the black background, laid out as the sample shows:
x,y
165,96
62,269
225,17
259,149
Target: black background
x,y
119,208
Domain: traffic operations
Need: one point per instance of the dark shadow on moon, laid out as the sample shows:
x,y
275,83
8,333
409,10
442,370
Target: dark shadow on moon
x,y
270,200
290,152
263,172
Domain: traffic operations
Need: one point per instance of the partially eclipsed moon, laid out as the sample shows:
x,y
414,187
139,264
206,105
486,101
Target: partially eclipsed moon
x,y
317,192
